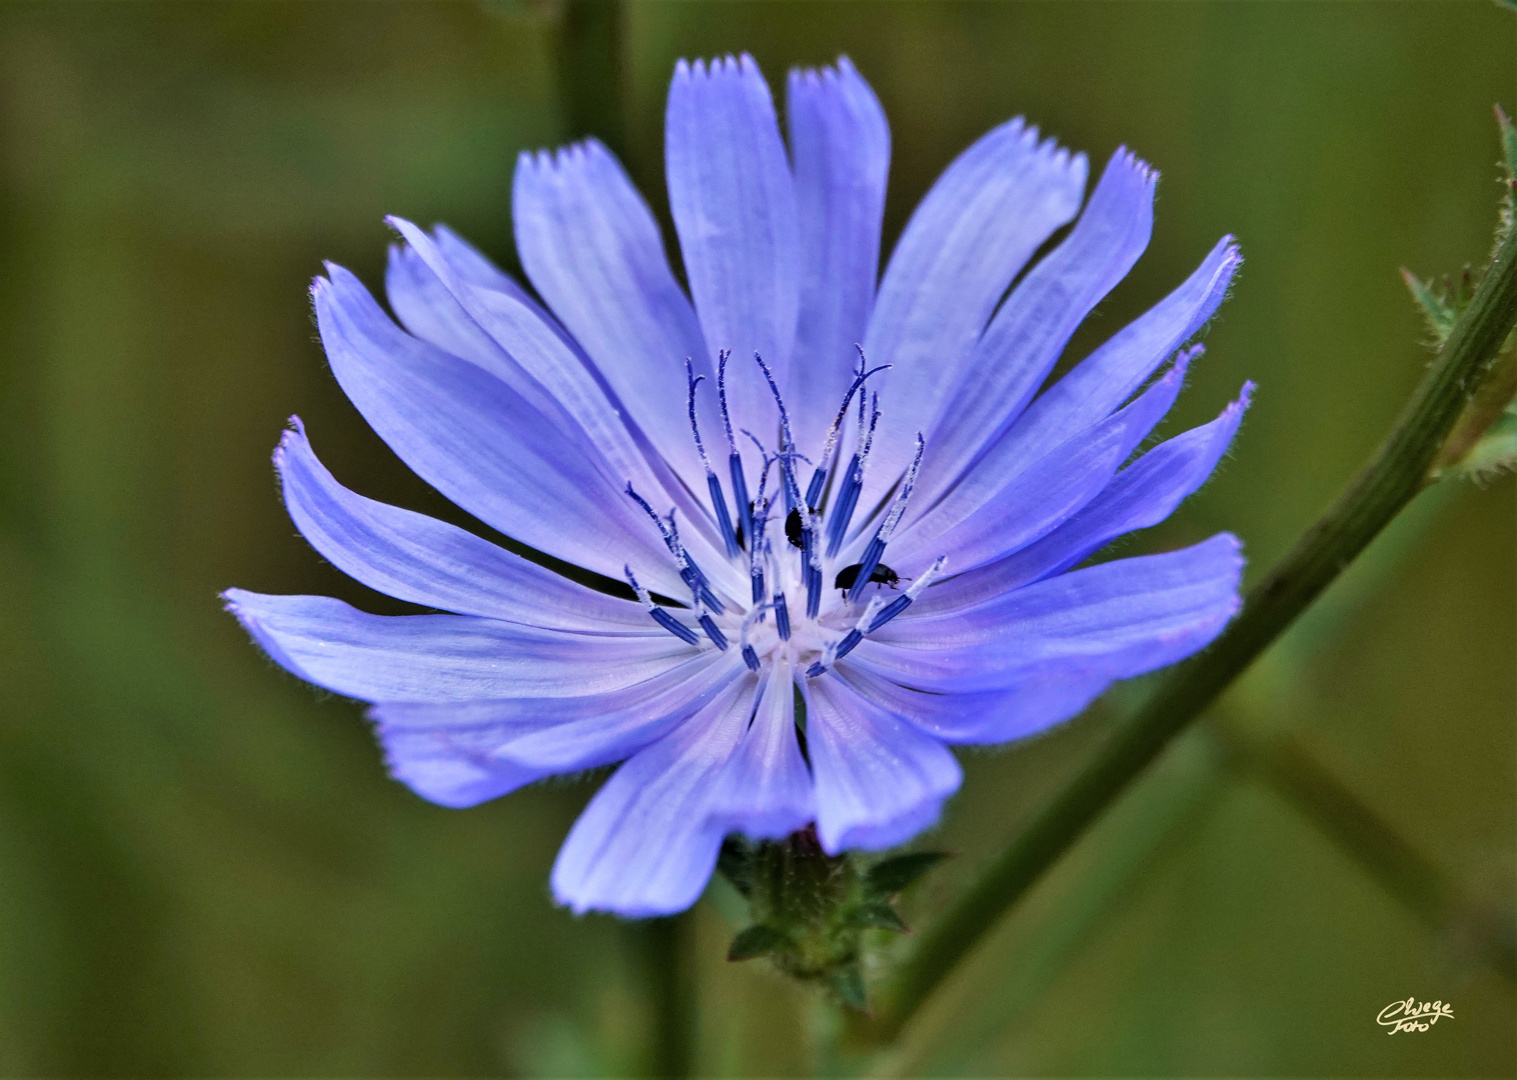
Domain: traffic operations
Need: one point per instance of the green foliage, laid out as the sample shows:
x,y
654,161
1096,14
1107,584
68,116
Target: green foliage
x,y
755,941
893,875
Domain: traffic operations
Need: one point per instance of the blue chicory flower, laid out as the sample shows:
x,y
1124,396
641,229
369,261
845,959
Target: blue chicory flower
x,y
891,541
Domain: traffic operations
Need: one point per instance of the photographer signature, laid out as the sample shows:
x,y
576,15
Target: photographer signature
x,y
1411,1015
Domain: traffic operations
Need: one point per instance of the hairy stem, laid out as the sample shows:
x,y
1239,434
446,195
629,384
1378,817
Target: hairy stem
x,y
1398,470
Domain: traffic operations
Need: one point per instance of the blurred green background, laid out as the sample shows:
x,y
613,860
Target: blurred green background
x,y
204,870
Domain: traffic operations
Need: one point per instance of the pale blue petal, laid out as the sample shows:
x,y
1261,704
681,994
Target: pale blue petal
x,y
1129,616
998,510
1032,704
733,202
647,843
438,658
977,227
840,146
766,791
426,561
462,753
1102,381
1141,495
879,780
593,251
1030,330
475,440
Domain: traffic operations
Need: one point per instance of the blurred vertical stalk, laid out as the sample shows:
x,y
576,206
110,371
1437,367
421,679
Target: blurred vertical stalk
x,y
588,54
664,949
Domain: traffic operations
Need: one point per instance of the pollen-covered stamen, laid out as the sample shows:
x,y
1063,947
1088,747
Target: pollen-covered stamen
x,y
781,616
819,476
750,654
853,480
688,571
660,616
904,601
758,543
876,547
714,485
734,459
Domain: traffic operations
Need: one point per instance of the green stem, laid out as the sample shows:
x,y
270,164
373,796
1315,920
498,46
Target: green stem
x,y
588,56
664,948
1393,476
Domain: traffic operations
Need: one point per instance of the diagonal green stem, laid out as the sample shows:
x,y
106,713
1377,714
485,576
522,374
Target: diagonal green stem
x,y
1398,470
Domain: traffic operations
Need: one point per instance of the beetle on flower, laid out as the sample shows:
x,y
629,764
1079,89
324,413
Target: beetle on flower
x,y
817,482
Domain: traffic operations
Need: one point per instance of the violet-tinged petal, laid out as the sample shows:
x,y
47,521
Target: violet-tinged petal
x,y
766,791
440,658
733,202
840,147
448,753
879,780
1102,381
996,512
647,843
1032,704
977,227
1130,616
481,444
1141,495
592,249
426,561
1019,348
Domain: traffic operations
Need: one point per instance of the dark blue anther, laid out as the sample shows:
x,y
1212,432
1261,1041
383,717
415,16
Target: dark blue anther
x,y
812,576
723,518
867,564
740,496
846,646
758,584
890,611
713,632
674,626
782,616
750,658
814,489
848,498
816,669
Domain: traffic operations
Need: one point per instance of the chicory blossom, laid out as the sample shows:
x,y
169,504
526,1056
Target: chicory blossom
x,y
819,485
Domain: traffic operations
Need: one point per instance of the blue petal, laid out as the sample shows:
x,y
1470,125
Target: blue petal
x,y
733,202
647,843
1033,703
1031,329
840,144
593,251
977,227
766,791
523,339
999,508
441,658
1128,616
1101,382
463,753
478,442
1141,495
426,561
879,780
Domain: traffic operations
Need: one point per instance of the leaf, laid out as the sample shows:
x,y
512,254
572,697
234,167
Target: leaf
x,y
848,984
1436,309
891,876
876,915
755,941
735,863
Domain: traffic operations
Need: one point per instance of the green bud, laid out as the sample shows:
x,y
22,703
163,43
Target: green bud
x,y
811,910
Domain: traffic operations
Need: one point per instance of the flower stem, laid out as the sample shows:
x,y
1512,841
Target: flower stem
x,y
1396,473
665,950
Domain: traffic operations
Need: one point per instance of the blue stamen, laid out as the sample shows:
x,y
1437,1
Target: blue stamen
x,y
750,658
660,616
890,611
713,632
818,478
848,498
718,501
816,669
734,459
782,616
901,603
867,564
846,646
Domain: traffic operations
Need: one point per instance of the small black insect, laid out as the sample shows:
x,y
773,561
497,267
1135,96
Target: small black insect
x,y
882,574
793,527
